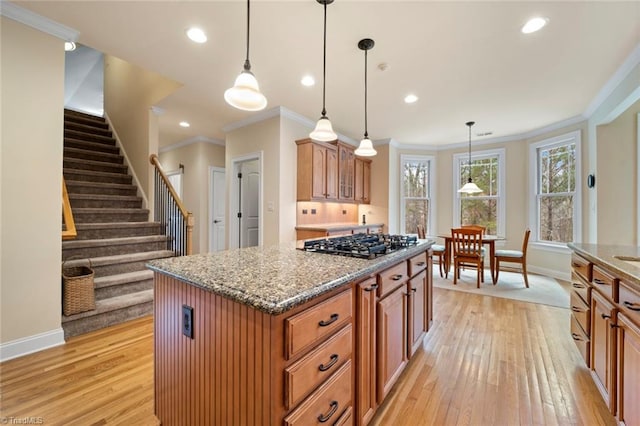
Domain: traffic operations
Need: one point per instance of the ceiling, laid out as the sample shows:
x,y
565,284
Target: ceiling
x,y
464,60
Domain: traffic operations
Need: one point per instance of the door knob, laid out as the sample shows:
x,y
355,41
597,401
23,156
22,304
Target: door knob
x,y
217,221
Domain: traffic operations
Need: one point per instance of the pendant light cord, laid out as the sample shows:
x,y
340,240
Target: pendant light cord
x,y
469,124
247,64
324,62
366,134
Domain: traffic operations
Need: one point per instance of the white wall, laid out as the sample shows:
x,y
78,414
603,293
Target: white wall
x,y
31,169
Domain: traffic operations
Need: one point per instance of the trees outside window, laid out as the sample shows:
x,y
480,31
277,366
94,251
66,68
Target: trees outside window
x,y
557,204
416,206
487,208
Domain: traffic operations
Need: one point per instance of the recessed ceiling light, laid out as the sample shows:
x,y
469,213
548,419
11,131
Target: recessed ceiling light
x,y
197,35
69,46
410,99
534,24
184,124
308,81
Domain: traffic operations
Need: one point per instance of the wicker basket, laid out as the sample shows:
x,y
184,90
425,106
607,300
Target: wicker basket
x,y
77,289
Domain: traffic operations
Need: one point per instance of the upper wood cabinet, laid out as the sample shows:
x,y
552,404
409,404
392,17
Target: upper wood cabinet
x,y
362,180
317,171
346,171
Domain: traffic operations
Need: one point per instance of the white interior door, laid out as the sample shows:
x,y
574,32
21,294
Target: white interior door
x,y
217,209
249,204
175,177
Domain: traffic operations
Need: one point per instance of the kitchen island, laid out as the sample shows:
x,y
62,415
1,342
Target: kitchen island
x,y
605,322
277,335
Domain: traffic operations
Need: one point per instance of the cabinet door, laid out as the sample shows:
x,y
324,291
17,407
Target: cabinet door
x,y
602,347
417,311
318,172
366,350
366,182
359,174
331,174
346,179
391,340
628,371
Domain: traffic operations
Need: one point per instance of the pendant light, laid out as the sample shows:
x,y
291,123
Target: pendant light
x,y
245,93
324,131
365,149
470,187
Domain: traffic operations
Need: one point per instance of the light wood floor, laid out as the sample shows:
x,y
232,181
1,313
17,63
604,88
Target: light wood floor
x,y
486,361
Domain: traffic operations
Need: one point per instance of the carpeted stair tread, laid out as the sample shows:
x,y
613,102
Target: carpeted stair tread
x,y
85,136
112,241
121,258
112,304
87,187
93,165
107,197
96,123
73,113
108,225
92,146
87,128
90,154
124,278
93,176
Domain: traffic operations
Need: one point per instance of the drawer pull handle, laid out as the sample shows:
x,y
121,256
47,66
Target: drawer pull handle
x,y
605,316
421,263
576,337
631,305
577,285
396,277
373,287
334,359
576,309
599,281
325,418
575,265
414,289
334,318
614,325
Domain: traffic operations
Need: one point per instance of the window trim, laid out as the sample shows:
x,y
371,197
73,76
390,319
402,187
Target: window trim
x,y
431,190
561,140
501,196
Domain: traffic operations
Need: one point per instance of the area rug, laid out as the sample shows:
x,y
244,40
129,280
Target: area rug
x,y
543,290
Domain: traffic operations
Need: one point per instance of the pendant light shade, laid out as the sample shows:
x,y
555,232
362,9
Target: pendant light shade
x,y
470,187
324,130
365,149
245,93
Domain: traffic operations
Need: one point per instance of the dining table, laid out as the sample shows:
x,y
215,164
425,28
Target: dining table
x,y
489,240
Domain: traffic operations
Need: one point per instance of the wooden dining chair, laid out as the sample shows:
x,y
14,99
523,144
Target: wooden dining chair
x,y
438,252
467,251
480,227
514,256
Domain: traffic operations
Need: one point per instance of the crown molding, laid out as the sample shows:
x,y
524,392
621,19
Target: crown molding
x,y
38,22
186,142
621,73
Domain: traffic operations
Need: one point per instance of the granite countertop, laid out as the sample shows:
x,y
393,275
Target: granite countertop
x,y
336,226
275,279
604,254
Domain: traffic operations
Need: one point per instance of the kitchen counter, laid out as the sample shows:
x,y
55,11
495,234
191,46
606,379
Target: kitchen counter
x,y
604,254
275,279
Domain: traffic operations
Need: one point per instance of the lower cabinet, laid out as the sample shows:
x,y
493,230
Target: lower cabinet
x,y
628,371
603,347
418,314
366,403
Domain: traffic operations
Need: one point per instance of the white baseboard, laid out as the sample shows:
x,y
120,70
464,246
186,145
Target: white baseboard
x,y
31,344
559,275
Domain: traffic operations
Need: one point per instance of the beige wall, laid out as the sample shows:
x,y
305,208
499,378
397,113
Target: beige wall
x,y
129,93
31,170
616,179
196,158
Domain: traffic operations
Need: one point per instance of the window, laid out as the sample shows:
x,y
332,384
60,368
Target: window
x,y
487,208
416,206
555,190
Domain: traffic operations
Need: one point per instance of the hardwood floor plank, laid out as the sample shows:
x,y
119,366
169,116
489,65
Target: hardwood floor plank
x,y
485,361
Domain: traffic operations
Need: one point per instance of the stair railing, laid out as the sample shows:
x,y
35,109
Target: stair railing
x,y
175,221
68,224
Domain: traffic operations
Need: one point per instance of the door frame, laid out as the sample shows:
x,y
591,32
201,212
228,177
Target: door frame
x,y
224,197
232,208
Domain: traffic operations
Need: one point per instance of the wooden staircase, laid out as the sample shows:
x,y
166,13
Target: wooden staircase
x,y
113,229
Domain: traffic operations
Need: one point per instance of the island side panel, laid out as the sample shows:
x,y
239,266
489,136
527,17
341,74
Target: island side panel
x,y
222,375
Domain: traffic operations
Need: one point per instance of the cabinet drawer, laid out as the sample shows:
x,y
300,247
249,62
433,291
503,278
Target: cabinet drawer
x,y
327,404
581,287
417,264
314,324
580,339
605,283
346,419
581,266
581,312
630,302
392,278
306,374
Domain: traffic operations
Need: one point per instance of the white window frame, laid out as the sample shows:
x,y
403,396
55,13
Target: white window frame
x,y
534,172
463,158
431,189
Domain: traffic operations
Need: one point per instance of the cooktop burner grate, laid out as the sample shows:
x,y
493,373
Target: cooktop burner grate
x,y
365,246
